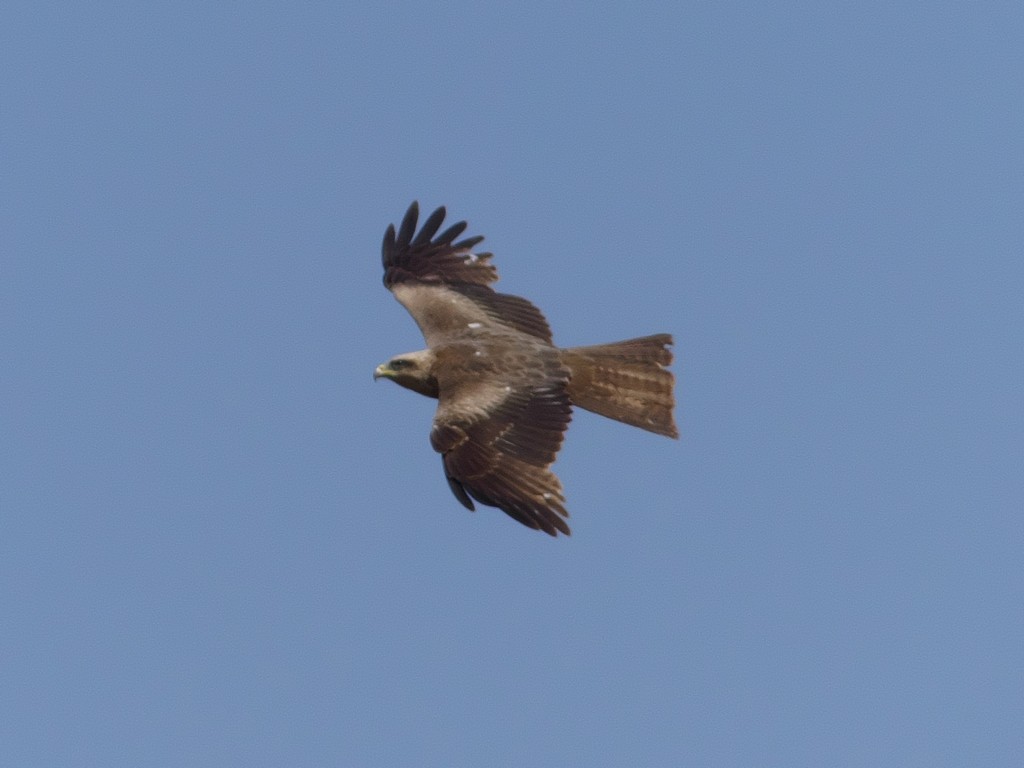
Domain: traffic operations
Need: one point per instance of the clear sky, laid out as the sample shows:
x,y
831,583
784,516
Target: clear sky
x,y
222,544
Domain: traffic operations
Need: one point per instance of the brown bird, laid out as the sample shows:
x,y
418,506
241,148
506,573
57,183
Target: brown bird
x,y
504,390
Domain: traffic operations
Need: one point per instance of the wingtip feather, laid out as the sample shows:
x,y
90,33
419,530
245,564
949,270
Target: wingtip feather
x,y
408,227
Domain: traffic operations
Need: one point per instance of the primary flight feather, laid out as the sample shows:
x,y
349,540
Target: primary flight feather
x,y
505,392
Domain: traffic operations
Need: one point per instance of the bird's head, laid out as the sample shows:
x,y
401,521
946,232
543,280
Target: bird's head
x,y
413,370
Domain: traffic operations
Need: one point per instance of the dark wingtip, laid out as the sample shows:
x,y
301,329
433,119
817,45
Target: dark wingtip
x,y
430,227
408,227
456,229
458,491
563,528
430,257
389,241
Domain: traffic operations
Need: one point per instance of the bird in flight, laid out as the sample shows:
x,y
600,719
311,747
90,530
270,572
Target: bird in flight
x,y
504,391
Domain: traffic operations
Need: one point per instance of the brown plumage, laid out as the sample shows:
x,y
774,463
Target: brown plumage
x,y
505,392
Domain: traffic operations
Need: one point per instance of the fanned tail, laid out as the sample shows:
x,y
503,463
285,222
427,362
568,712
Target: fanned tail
x,y
628,381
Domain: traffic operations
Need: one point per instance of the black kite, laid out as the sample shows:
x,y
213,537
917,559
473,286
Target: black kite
x,y
504,390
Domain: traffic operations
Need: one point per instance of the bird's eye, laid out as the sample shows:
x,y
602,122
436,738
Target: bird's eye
x,y
397,365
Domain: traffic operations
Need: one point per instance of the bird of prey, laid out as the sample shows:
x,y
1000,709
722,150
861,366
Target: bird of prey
x,y
504,391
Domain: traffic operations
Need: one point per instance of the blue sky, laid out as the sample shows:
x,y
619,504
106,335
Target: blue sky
x,y
223,545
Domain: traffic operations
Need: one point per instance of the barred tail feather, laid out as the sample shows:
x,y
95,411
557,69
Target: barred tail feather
x,y
628,381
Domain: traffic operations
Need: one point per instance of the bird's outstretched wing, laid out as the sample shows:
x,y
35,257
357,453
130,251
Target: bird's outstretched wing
x,y
445,285
498,430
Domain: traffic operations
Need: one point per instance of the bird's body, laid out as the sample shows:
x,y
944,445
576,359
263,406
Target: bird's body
x,y
505,392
